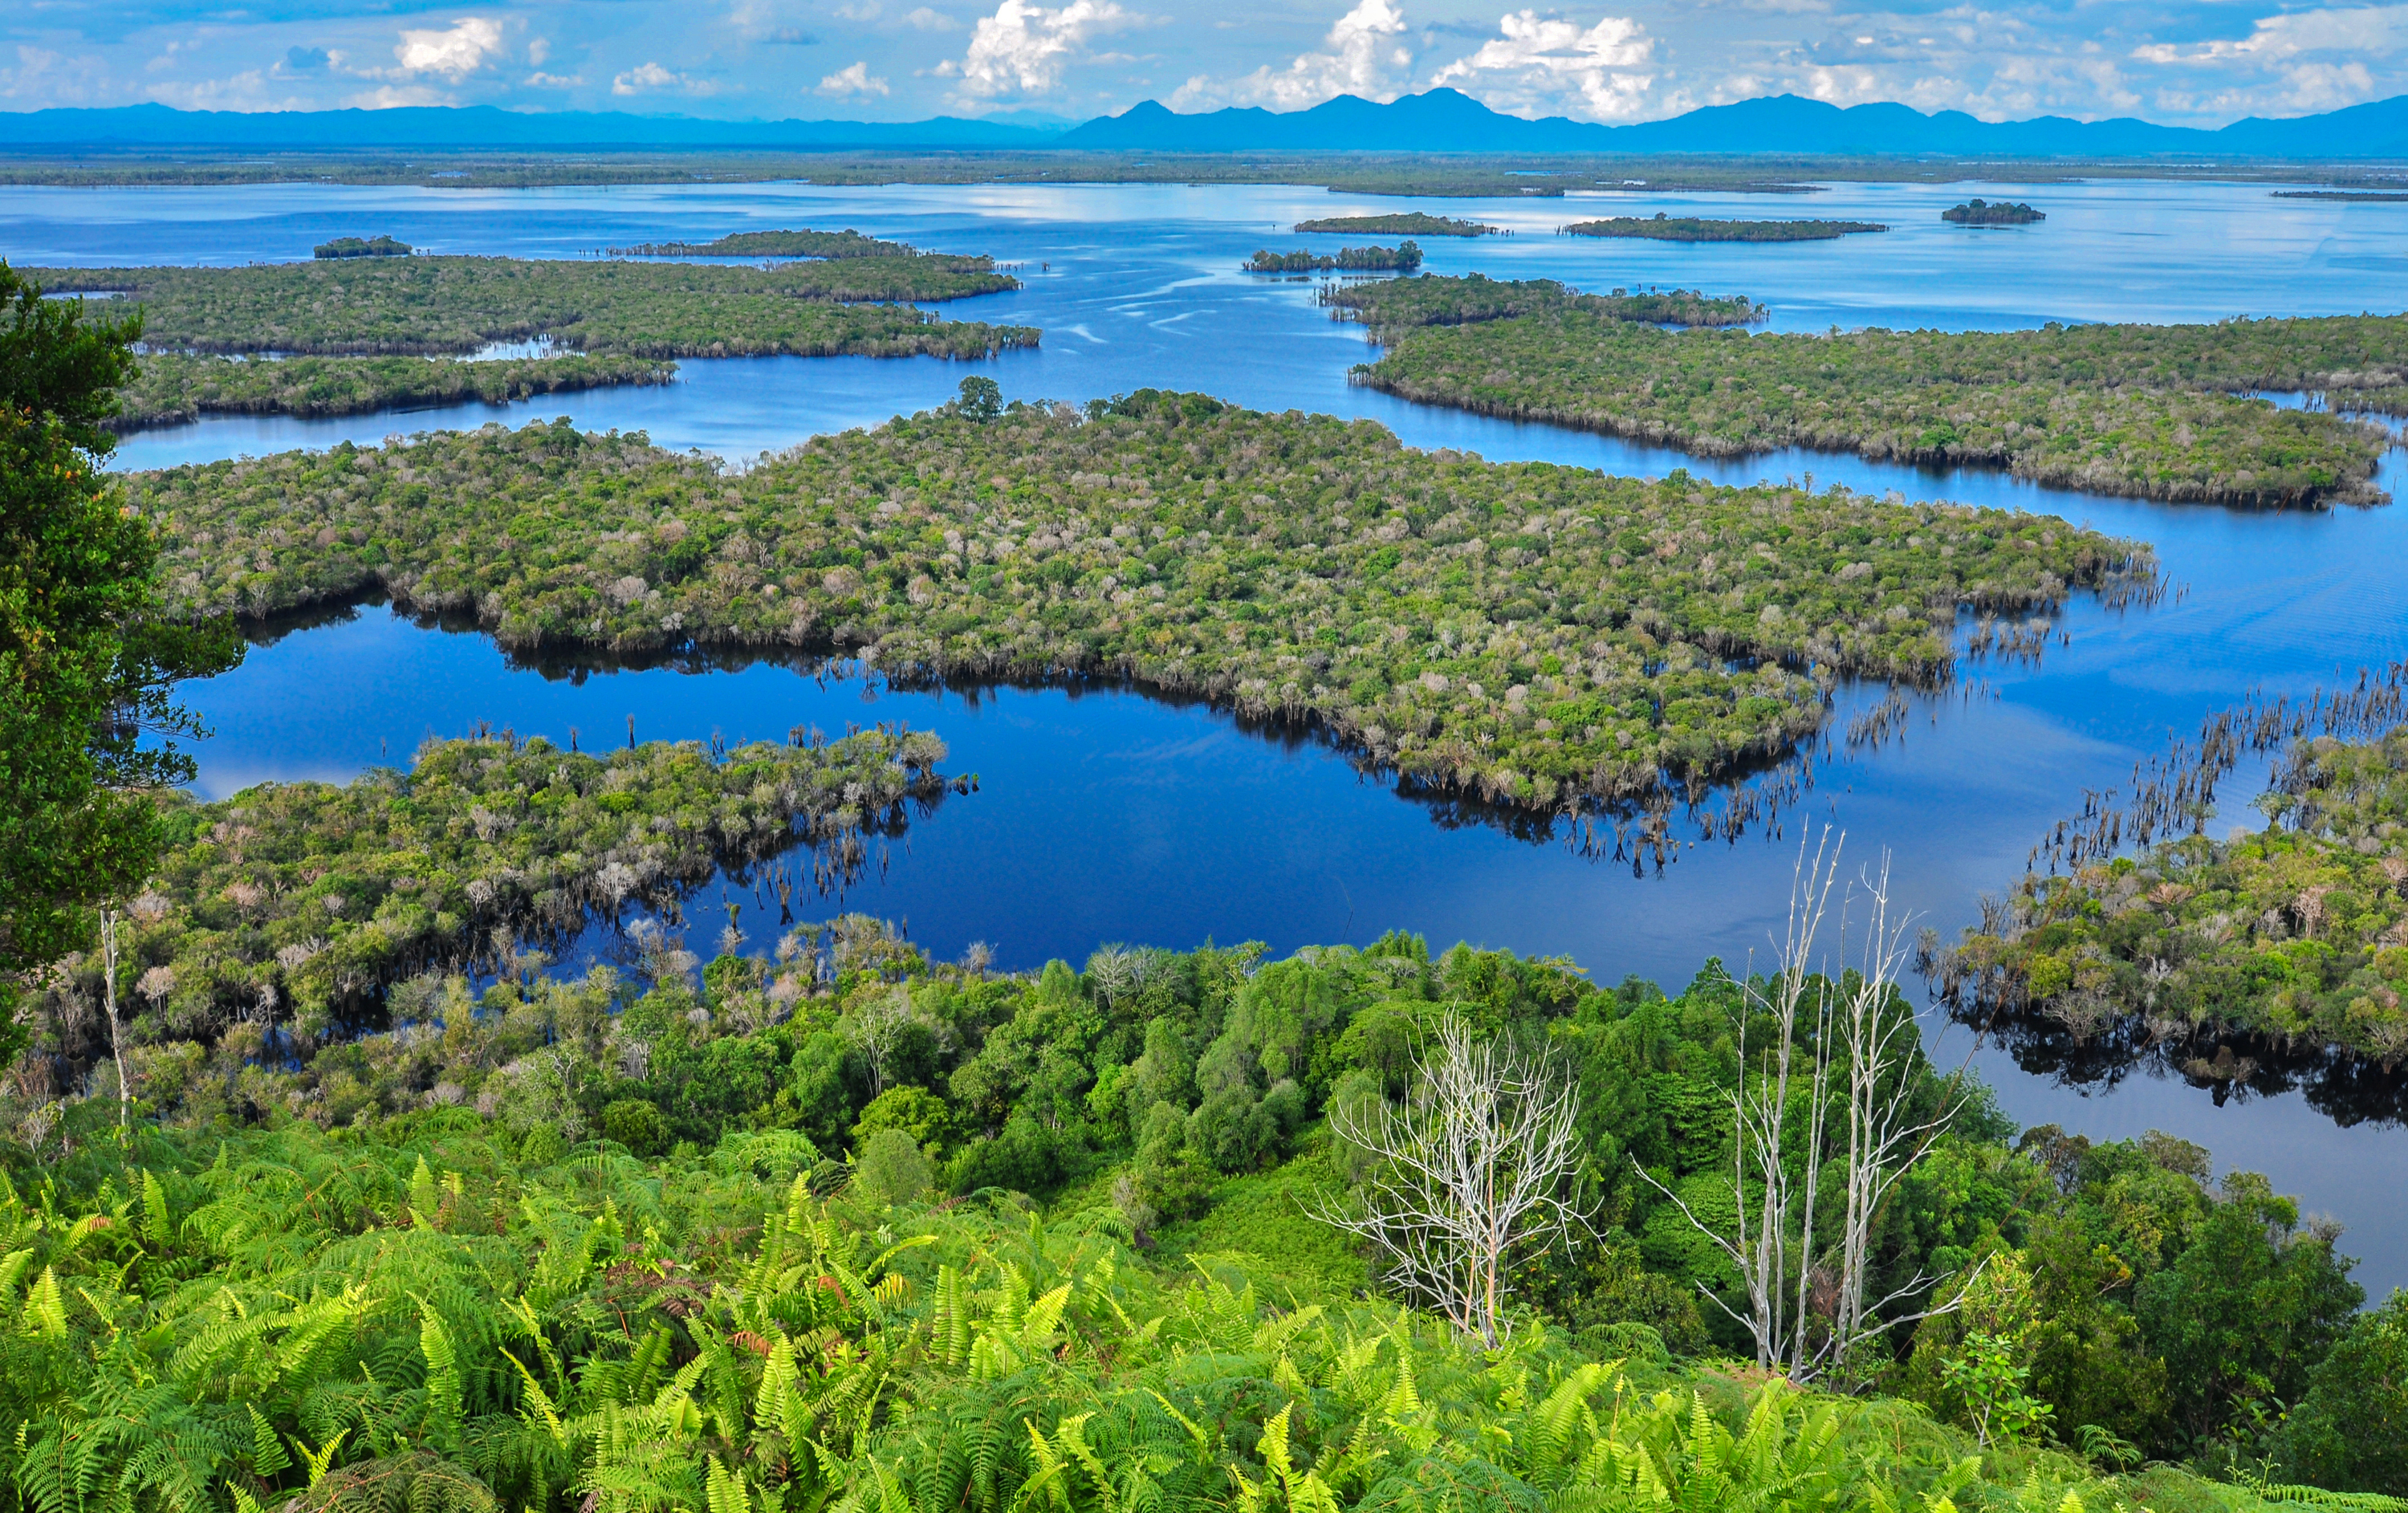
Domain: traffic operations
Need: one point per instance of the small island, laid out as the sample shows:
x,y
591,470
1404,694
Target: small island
x,y
1402,258
1663,228
1985,213
2347,196
360,247
1412,223
822,244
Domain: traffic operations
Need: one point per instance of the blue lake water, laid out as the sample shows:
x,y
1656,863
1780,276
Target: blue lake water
x,y
1107,816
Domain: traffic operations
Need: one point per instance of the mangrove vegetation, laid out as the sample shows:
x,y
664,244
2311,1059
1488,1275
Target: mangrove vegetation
x,y
173,388
1403,258
2295,935
428,306
1440,300
2156,412
1409,224
1989,213
342,247
1534,634
1664,228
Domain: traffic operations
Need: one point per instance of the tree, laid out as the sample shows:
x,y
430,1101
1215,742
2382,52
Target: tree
x,y
981,399
1836,1094
1473,1174
87,661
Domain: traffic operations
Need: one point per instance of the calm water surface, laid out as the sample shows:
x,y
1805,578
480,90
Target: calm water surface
x,y
1107,816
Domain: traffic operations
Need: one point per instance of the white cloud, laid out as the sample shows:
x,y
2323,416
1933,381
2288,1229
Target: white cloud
x,y
1535,62
1358,56
541,80
1023,49
468,45
853,80
925,20
651,75
2299,62
2379,30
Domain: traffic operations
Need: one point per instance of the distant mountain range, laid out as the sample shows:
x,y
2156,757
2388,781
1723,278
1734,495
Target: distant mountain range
x,y
1441,120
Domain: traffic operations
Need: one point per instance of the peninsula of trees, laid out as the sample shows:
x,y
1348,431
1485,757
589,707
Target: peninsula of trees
x,y
455,305
1395,305
342,247
174,388
2144,411
1410,224
1991,213
2297,933
1536,636
1664,228
1403,258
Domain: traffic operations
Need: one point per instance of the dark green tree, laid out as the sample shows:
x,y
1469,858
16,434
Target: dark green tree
x,y
2351,1431
87,664
981,399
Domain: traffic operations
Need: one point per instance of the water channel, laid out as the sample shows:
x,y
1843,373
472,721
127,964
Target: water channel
x,y
1103,815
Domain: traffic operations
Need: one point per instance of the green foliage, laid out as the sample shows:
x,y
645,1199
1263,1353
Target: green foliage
x,y
437,304
313,899
2350,1432
1665,228
1409,224
1526,633
87,657
1403,258
637,1124
891,1168
2299,931
1982,213
342,247
173,388
2150,411
703,1333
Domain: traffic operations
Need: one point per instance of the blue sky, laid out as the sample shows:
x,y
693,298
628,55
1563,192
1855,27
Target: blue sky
x,y
2186,62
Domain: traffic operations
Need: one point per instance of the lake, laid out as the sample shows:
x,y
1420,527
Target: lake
x,y
1105,815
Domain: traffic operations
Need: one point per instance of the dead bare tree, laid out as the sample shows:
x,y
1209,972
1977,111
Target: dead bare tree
x,y
109,996
1846,1048
1473,1171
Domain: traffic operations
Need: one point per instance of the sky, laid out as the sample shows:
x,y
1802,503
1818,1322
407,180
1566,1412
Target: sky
x,y
2178,62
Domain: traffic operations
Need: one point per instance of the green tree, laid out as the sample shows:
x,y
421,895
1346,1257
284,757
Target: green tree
x,y
2351,1431
86,661
981,399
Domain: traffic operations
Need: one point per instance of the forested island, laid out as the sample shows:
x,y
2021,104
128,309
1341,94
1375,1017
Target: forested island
x,y
2376,196
1534,635
2144,411
2297,933
1664,228
174,387
342,247
322,1190
1409,224
1985,213
820,244
1403,258
432,306
1392,305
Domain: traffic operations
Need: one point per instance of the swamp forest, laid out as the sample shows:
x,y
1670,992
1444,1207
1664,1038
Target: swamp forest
x,y
447,1133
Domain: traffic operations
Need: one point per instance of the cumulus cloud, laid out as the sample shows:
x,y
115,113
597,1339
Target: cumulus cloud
x,y
1023,49
1537,62
651,75
1360,56
925,20
856,79
2301,61
455,53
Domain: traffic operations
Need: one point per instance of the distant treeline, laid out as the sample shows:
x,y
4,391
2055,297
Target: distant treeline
x,y
2147,411
2350,195
1410,224
1663,228
821,244
173,388
342,247
1402,258
431,305
1989,213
